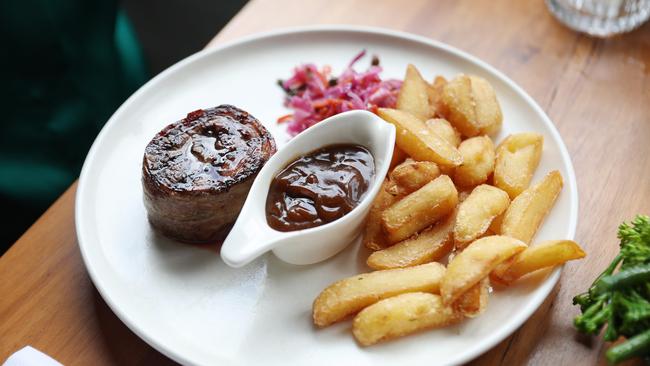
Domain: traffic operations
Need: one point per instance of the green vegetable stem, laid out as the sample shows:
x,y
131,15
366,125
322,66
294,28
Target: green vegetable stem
x,y
620,297
635,346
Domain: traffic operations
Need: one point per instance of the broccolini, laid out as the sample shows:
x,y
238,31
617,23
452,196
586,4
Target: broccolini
x,y
620,297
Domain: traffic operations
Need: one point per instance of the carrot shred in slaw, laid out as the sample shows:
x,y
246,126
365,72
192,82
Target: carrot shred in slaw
x,y
314,94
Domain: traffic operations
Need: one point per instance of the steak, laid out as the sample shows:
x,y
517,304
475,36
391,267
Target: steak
x,y
196,172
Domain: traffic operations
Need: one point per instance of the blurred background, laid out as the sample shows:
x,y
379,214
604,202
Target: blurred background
x,y
66,68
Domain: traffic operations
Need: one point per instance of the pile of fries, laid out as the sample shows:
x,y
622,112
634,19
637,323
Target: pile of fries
x,y
451,197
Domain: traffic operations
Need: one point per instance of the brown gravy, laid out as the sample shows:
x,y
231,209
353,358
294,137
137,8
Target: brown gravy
x,y
320,187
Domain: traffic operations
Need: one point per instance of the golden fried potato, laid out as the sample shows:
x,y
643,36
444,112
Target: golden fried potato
x,y
413,95
402,315
476,262
527,211
439,82
462,195
420,209
478,161
428,246
352,294
474,301
517,158
374,237
447,170
398,156
476,213
415,138
444,129
495,225
472,106
434,92
394,189
546,254
412,175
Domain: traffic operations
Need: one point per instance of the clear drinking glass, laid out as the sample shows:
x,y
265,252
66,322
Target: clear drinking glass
x,y
601,18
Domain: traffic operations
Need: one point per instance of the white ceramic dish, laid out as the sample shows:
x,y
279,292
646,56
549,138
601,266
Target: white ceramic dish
x,y
251,236
188,304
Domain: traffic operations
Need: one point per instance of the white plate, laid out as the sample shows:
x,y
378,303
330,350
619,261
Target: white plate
x,y
187,303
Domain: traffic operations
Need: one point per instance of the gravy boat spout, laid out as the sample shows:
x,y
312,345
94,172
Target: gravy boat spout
x,y
251,236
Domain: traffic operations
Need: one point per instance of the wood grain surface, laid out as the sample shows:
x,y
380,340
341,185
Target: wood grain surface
x,y
596,91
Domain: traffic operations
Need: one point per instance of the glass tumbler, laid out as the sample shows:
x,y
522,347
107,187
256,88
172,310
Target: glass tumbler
x,y
601,18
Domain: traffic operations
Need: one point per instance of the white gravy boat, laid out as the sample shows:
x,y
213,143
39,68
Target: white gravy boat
x,y
251,236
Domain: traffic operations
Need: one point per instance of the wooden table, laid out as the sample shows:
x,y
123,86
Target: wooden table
x,y
596,91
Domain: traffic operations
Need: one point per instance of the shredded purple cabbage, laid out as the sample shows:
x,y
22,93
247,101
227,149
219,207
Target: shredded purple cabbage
x,y
314,95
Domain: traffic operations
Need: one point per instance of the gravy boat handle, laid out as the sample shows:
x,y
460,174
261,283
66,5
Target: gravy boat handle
x,y
248,240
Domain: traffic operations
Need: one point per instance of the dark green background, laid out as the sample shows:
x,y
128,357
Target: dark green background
x,y
66,66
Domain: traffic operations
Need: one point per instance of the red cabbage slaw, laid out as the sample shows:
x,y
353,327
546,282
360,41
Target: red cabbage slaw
x,y
314,94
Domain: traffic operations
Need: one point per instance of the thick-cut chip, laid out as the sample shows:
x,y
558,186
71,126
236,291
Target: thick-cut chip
x,y
374,237
474,301
352,294
472,106
413,95
394,189
476,262
439,82
428,246
435,96
478,161
546,254
412,175
476,213
495,225
444,129
402,315
398,156
420,209
527,211
517,158
447,170
487,108
415,138
462,195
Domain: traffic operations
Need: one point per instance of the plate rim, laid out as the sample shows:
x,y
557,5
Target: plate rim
x,y
471,352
